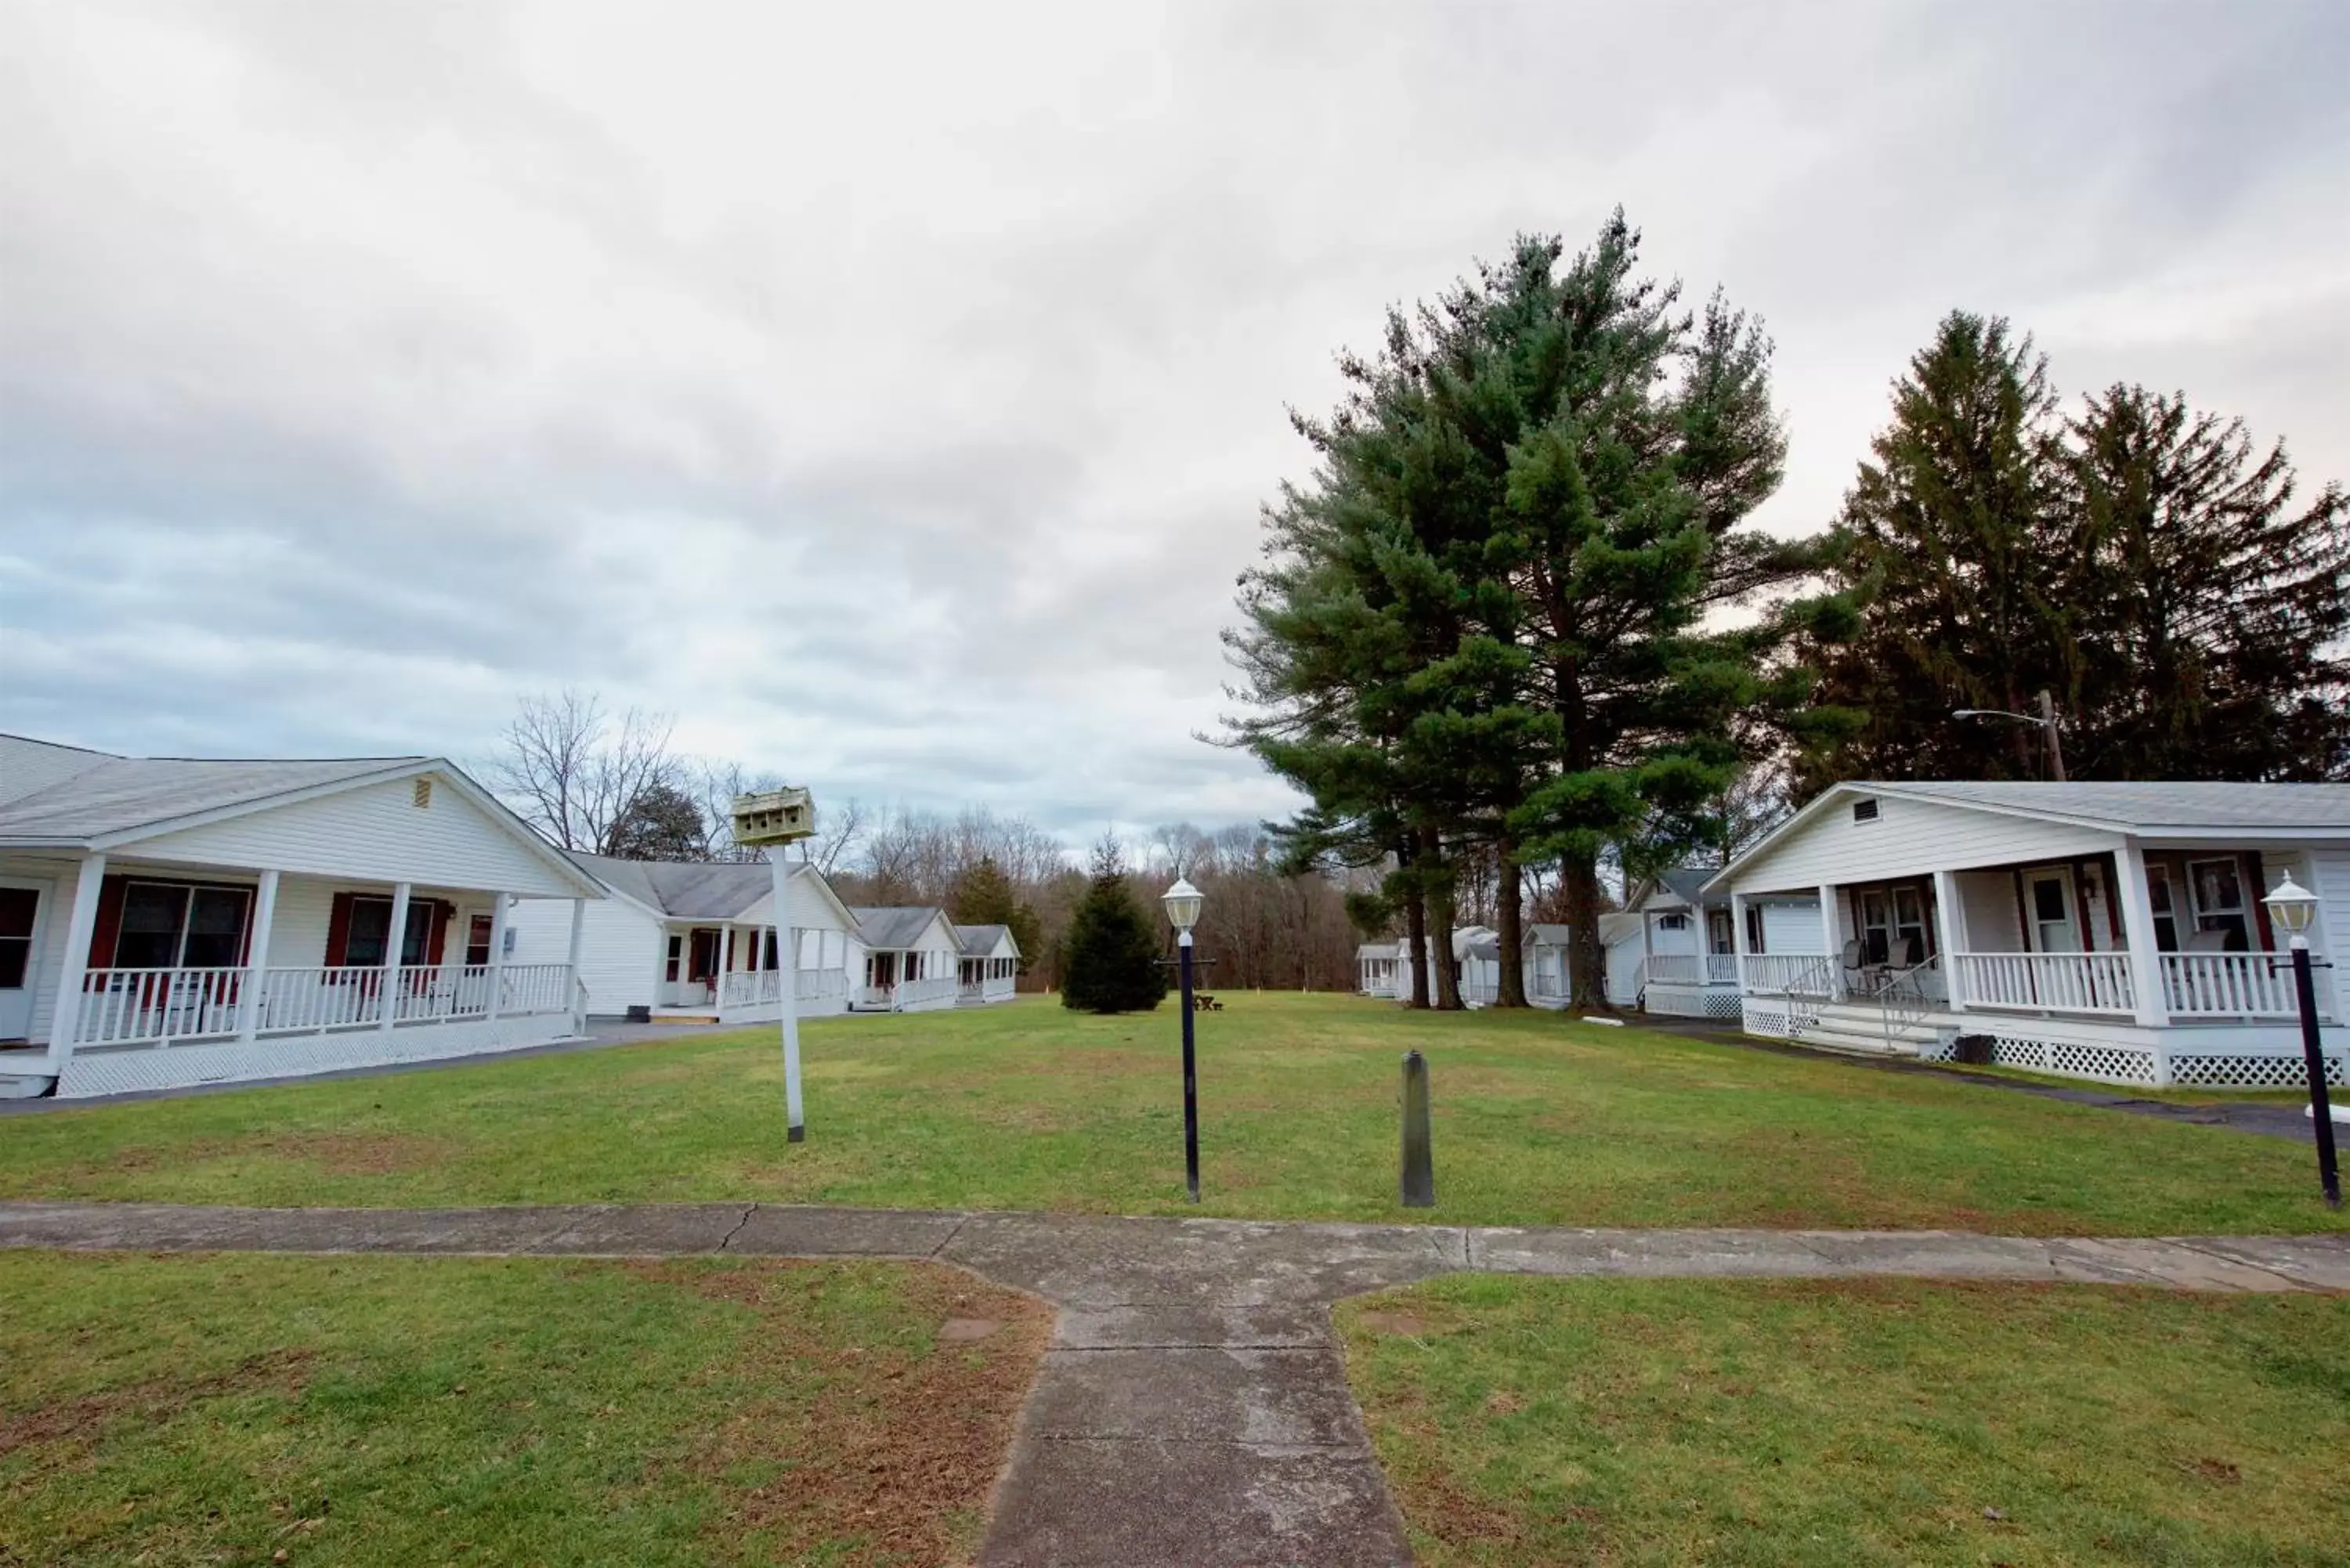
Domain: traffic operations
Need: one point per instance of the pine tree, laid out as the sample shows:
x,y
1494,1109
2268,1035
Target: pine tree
x,y
2213,611
984,895
1955,540
1110,951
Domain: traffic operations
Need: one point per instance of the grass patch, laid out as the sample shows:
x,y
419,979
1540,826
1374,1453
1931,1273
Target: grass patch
x,y
1787,1422
1539,1120
402,1411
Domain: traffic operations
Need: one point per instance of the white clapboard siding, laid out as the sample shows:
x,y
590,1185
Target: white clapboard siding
x,y
377,834
1909,839
1792,928
621,949
2330,871
811,910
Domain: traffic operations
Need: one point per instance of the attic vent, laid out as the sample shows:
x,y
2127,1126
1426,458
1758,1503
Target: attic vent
x,y
422,799
1864,811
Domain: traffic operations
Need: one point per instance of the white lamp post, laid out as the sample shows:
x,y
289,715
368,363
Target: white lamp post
x,y
2291,908
774,819
1183,902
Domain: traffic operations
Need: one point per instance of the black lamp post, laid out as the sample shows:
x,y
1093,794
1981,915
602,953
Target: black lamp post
x,y
1183,901
2292,908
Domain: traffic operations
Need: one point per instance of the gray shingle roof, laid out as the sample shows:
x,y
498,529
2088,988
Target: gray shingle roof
x,y
2246,807
1682,885
123,794
1543,934
1378,949
894,927
690,890
978,941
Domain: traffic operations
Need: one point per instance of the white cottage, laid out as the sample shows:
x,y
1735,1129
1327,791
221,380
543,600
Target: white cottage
x,y
2100,930
1375,968
903,959
1689,953
167,922
1547,960
989,969
696,939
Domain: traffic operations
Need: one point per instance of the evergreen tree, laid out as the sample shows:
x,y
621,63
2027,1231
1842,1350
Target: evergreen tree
x,y
1111,952
2214,610
660,823
1954,537
984,897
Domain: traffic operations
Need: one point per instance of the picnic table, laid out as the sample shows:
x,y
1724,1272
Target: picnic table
x,y
1203,1003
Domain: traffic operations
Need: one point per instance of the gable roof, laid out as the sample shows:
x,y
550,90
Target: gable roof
x,y
1682,887
701,890
1614,926
979,941
1378,949
117,801
897,927
2175,809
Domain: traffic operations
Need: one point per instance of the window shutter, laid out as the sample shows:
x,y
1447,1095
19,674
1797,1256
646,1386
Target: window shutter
x,y
107,928
2256,887
338,931
435,943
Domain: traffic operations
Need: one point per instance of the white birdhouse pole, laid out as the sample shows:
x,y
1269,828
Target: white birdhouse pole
x,y
773,820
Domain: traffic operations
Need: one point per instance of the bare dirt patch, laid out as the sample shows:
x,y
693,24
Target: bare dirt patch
x,y
1408,1324
894,1457
964,1330
83,1420
335,1153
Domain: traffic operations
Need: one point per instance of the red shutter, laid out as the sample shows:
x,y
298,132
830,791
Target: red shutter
x,y
107,928
435,943
2256,888
338,931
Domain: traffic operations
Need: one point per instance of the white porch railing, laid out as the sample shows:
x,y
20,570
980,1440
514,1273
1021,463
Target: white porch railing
x,y
930,989
822,984
2046,982
1673,968
750,988
1721,969
1788,975
2232,985
164,1006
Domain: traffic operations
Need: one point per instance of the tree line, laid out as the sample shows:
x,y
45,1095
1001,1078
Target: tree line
x,y
1514,622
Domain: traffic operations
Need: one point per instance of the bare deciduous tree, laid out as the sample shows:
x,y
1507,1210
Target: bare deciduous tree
x,y
572,770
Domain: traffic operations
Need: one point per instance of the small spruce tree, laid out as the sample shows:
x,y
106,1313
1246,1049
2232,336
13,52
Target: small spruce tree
x,y
1110,953
984,895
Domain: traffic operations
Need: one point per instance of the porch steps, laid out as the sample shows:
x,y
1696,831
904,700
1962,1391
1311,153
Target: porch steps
x,y
22,1085
1857,1029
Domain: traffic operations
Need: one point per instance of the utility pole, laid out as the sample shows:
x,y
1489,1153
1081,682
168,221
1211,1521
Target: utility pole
x,y
2048,726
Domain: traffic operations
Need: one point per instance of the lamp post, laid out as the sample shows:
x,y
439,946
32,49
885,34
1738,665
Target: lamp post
x,y
776,818
2045,719
2292,908
1183,901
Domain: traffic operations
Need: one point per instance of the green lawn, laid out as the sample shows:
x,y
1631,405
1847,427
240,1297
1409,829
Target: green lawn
x,y
1539,1120
410,1411
1893,1422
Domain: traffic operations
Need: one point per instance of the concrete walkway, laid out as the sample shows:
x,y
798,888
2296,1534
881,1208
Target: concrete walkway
x,y
1193,1405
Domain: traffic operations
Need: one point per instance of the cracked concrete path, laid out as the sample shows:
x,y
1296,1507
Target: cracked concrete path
x,y
1193,1405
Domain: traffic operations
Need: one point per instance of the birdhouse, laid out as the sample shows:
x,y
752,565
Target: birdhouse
x,y
774,816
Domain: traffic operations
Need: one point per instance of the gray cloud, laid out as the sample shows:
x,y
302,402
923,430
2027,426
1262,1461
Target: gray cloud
x,y
889,393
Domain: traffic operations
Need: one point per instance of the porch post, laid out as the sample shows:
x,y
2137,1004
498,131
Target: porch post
x,y
496,978
64,1017
1737,936
394,942
256,958
1832,939
1951,916
571,979
2145,960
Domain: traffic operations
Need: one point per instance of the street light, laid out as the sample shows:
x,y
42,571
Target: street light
x,y
2291,909
2045,719
1183,901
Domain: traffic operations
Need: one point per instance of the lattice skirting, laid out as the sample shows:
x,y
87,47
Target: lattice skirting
x,y
1769,1021
1682,1002
183,1066
2250,1072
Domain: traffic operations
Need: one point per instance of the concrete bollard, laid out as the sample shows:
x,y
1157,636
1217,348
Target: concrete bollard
x,y
1419,1157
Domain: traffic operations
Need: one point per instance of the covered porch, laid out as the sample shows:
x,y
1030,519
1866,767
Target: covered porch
x,y
134,972
2136,964
730,971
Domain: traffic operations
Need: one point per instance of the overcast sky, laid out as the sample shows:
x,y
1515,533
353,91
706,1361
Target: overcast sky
x,y
889,393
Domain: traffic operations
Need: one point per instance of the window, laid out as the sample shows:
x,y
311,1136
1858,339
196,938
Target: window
x,y
171,925
17,907
2217,890
1716,932
1864,811
363,943
477,941
676,949
1754,928
1672,922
